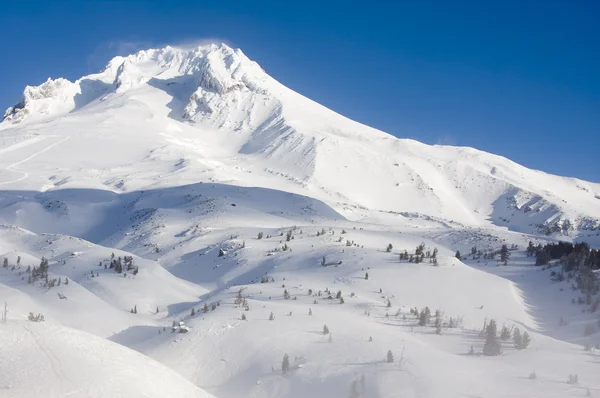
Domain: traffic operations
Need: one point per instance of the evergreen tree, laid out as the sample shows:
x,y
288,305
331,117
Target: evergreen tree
x,y
424,316
366,275
438,322
517,338
285,363
526,341
504,254
505,333
325,329
530,249
243,316
389,357
271,317
193,312
491,346
389,248
542,257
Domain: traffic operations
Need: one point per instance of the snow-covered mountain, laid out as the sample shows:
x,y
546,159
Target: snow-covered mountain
x,y
230,194
212,110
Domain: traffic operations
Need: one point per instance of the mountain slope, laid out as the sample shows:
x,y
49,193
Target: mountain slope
x,y
212,112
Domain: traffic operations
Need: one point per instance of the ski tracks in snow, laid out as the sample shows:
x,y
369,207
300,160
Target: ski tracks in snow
x,y
25,144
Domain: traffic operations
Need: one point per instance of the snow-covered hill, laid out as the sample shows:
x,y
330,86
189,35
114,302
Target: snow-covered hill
x,y
44,360
179,191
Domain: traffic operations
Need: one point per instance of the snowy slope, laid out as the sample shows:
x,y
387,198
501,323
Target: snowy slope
x,y
42,360
211,110
182,158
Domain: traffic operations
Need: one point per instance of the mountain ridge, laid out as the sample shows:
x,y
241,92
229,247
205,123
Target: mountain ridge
x,y
235,110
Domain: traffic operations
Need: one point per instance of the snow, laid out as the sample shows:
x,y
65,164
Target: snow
x,y
54,361
175,156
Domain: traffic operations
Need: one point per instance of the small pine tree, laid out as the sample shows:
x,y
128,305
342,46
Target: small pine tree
x,y
491,347
532,375
285,363
504,254
205,308
260,236
325,329
424,316
438,322
193,312
517,338
389,248
505,333
243,316
271,317
366,275
389,357
525,341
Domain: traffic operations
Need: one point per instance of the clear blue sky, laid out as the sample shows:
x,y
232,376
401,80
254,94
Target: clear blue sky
x,y
517,78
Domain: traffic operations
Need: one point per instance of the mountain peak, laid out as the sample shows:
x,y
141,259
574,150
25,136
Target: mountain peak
x,y
217,68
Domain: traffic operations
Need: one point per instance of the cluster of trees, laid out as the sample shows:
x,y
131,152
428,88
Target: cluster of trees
x,y
424,317
119,265
492,344
578,260
420,255
503,252
40,272
570,254
36,318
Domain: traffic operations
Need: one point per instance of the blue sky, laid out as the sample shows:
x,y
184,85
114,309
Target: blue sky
x,y
516,78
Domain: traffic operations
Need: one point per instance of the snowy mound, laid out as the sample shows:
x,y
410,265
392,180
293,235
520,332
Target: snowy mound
x,y
43,360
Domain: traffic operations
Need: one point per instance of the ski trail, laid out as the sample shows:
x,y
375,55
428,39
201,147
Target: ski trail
x,y
25,174
23,144
52,359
